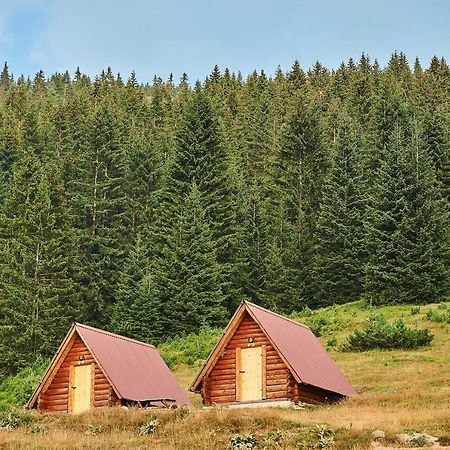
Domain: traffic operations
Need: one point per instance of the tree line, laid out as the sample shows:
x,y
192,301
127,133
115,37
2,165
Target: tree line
x,y
154,209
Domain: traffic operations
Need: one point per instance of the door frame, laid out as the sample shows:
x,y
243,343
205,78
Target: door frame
x,y
72,391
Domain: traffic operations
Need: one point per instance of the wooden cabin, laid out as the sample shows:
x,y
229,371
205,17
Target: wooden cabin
x,y
263,357
94,368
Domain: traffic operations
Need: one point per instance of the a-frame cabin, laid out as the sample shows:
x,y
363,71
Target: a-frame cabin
x,y
264,357
94,368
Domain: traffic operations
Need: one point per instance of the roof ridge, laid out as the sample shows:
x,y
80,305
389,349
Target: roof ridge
x,y
114,335
277,315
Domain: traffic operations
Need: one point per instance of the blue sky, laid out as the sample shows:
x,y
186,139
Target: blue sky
x,y
160,36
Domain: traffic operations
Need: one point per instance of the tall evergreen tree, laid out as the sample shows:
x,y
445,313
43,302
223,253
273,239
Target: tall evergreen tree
x,y
185,283
38,294
200,158
339,263
407,240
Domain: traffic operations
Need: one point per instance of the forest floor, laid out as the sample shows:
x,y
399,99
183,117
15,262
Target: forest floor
x,y
399,391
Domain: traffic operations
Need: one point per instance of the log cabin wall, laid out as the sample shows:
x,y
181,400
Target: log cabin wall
x,y
56,396
220,385
314,395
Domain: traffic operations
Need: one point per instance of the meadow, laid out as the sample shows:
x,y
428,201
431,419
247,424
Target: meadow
x,y
398,391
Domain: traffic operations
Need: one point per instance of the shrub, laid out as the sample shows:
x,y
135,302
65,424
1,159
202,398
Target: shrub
x,y
415,310
148,427
332,342
325,436
318,325
16,390
13,419
242,442
436,316
190,348
378,333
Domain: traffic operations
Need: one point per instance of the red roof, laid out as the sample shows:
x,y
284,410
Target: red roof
x,y
303,351
136,369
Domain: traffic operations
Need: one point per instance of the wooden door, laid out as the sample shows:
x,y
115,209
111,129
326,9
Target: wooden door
x,y
81,387
249,374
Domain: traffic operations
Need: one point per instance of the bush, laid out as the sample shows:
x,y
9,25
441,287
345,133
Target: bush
x,y
332,342
238,442
379,334
415,310
148,427
15,391
13,419
190,348
436,316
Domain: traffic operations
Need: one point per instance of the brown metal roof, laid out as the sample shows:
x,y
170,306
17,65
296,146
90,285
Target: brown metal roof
x,y
136,369
302,350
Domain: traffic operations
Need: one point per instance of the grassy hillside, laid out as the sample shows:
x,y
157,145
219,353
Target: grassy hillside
x,y
398,390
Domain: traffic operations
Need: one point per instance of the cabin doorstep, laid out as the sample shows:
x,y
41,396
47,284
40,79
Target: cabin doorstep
x,y
94,368
265,359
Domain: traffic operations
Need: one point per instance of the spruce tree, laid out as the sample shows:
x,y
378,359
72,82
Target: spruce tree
x,y
200,158
406,232
99,199
339,262
436,136
38,265
186,282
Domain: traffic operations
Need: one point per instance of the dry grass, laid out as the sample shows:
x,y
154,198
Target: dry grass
x,y
398,390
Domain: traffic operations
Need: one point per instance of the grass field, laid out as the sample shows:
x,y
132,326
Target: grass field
x,y
398,390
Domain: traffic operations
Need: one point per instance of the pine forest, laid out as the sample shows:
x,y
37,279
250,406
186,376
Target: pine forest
x,y
153,209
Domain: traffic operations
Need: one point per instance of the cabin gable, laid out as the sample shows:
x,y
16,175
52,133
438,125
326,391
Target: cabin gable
x,y
223,383
57,393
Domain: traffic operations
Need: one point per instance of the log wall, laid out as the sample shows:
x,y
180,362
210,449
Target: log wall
x,y
220,385
56,396
314,395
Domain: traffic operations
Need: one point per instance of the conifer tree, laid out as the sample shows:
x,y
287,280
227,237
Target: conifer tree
x,y
339,262
99,200
136,311
406,237
436,135
38,293
186,279
200,158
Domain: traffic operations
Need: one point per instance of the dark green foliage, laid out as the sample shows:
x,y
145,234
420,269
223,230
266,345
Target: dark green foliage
x,y
379,334
189,286
406,238
38,296
340,258
155,208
